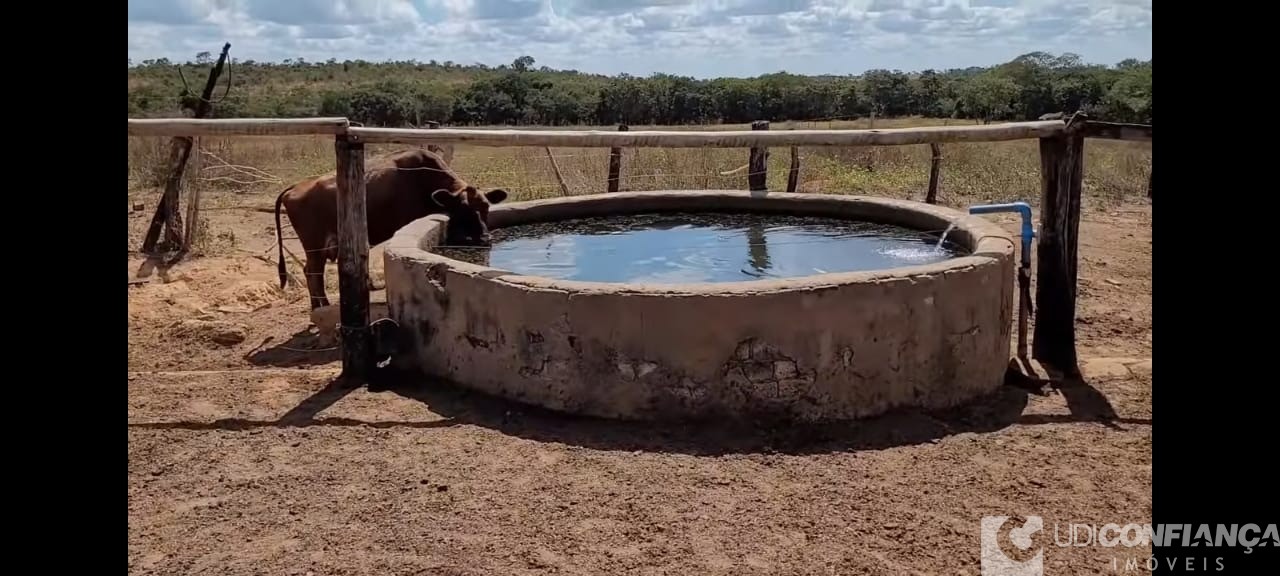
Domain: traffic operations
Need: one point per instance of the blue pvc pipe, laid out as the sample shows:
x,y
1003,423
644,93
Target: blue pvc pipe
x,y
1028,231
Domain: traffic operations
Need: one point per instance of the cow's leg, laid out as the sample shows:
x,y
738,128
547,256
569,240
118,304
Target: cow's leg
x,y
315,280
331,254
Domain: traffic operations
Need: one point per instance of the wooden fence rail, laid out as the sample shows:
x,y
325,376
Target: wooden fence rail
x,y
758,138
631,139
1062,171
237,126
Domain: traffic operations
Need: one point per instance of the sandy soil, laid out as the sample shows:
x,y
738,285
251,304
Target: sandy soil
x,y
245,459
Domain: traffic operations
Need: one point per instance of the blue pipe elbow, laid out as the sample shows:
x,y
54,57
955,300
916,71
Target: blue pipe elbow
x,y
1028,231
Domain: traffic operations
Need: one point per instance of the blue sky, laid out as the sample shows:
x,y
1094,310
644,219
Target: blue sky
x,y
702,38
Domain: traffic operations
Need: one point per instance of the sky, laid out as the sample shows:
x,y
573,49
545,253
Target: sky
x,y
700,38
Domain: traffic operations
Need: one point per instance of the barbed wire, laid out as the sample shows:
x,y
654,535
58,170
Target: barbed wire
x,y
522,156
517,180
255,176
306,350
514,180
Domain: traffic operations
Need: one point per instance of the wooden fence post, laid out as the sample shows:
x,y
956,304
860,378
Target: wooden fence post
x,y
445,151
555,169
758,164
193,218
1061,179
353,259
935,165
167,218
615,163
167,215
793,175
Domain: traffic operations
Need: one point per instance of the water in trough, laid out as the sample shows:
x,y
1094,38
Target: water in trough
x,y
703,247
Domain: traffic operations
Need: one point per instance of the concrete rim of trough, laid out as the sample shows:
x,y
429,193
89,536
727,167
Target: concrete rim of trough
x,y
987,243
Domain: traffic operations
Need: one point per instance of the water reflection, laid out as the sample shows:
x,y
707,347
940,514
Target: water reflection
x,y
681,248
758,248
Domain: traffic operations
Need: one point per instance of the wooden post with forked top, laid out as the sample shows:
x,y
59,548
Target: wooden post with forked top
x,y
167,216
353,260
1061,180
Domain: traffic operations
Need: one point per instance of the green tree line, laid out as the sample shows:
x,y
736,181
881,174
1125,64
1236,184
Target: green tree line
x,y
413,93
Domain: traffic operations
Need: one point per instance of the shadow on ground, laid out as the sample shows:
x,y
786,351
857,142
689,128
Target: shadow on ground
x,y
304,348
459,406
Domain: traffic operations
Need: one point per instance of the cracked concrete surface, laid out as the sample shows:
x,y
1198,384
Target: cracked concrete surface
x,y
765,375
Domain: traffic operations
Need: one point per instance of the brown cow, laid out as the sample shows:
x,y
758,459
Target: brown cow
x,y
401,188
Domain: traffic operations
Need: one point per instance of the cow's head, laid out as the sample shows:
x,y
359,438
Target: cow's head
x,y
468,212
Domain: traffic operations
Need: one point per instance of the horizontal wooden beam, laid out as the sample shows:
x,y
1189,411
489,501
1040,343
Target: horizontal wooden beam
x,y
1118,131
638,139
712,139
236,126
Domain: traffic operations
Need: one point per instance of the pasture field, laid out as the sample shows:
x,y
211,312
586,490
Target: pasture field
x,y
244,459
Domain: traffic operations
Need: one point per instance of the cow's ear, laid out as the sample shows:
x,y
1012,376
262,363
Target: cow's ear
x,y
496,195
444,198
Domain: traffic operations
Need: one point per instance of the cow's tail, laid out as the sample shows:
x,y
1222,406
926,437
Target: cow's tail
x,y
280,267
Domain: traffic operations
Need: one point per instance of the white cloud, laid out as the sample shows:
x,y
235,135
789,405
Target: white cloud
x,y
697,37
885,5
503,9
619,6
329,11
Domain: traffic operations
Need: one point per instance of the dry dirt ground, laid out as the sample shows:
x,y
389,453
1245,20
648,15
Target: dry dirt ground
x,y
244,459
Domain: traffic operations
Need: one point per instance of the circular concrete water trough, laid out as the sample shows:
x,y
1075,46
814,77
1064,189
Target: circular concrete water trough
x,y
823,347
